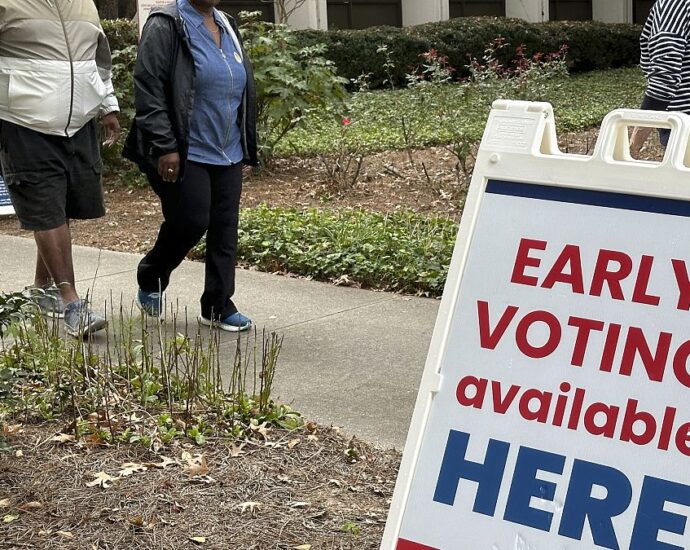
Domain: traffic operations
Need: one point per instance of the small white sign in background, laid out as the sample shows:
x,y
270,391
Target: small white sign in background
x,y
144,8
553,412
6,208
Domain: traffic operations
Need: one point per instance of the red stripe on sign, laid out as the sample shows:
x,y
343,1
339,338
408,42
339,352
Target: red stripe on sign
x,y
409,545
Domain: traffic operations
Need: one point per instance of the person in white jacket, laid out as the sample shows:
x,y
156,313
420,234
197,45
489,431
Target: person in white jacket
x,y
55,81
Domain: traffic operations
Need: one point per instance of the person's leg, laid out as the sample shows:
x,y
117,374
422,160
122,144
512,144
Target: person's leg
x,y
221,242
55,251
42,277
185,204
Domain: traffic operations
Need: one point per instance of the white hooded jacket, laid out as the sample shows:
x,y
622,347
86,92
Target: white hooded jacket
x,y
55,65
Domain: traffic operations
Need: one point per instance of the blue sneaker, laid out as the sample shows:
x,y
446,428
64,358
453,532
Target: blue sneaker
x,y
232,323
150,302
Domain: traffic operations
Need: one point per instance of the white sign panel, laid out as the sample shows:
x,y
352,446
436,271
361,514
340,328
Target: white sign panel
x,y
554,409
6,208
144,8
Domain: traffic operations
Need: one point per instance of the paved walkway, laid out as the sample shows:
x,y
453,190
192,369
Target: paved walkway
x,y
352,358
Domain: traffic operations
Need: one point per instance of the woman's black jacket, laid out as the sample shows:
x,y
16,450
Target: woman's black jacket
x,y
164,94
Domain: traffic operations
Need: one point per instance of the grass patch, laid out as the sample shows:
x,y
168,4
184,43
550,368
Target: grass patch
x,y
402,251
580,101
145,384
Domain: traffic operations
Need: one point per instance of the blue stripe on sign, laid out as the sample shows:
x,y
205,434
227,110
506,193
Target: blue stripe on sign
x,y
674,207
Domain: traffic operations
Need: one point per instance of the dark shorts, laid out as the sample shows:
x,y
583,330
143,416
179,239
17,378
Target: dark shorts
x,y
52,179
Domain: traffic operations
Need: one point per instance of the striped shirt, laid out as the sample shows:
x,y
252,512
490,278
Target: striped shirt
x,y
665,56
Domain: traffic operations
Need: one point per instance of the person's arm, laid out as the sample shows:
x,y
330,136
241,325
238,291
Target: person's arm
x,y
152,84
665,48
640,134
109,107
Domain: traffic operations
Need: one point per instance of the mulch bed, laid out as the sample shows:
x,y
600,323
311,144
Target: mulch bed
x,y
302,490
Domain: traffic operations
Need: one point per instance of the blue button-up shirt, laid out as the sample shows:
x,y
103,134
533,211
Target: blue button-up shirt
x,y
214,133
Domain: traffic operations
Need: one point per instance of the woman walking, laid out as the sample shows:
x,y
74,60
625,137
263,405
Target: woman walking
x,y
195,126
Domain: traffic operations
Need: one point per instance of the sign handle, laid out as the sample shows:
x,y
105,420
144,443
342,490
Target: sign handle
x,y
613,144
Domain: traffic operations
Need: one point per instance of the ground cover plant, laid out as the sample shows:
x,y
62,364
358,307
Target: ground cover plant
x,y
580,101
401,251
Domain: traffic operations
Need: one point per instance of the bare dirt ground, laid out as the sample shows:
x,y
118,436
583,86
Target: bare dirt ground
x,y
292,490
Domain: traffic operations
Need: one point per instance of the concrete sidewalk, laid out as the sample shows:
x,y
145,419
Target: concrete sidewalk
x,y
352,358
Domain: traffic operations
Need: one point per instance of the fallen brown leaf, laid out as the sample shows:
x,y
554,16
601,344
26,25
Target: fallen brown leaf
x,y
11,429
165,462
63,438
261,429
102,480
197,467
236,450
129,468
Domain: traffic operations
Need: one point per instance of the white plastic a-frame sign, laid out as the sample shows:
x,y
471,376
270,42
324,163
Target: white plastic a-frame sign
x,y
553,411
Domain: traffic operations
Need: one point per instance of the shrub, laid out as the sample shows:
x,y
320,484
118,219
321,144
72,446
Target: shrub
x,y
401,251
291,81
591,44
580,101
163,376
357,52
121,33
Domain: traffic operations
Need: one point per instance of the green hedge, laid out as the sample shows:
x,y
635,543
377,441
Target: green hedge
x,y
591,45
401,251
120,32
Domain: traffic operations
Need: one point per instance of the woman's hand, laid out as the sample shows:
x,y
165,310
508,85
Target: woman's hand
x,y
169,167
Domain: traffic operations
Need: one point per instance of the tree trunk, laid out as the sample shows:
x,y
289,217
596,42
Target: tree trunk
x,y
127,8
107,9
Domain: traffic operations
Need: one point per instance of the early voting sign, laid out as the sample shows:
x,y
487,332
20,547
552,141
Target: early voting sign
x,y
6,208
554,411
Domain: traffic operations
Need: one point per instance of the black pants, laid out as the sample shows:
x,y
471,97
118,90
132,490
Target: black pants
x,y
205,200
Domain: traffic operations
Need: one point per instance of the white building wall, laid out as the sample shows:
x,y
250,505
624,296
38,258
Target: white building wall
x,y
416,12
311,14
534,11
612,11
